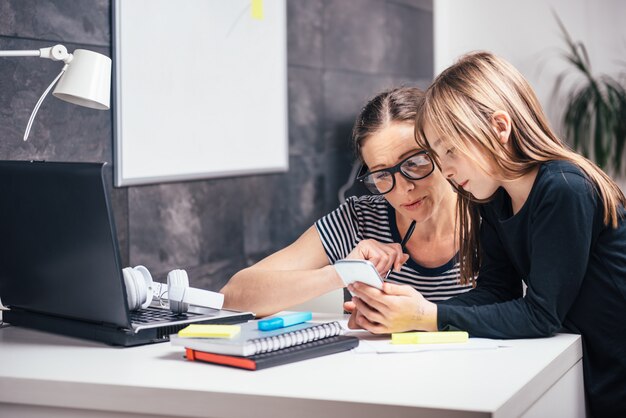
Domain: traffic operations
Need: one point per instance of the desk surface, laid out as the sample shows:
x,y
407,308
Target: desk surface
x,y
48,370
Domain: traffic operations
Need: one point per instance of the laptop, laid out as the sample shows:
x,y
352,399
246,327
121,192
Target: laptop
x,y
59,259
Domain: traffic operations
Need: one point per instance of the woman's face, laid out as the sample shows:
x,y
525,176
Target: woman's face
x,y
414,199
461,169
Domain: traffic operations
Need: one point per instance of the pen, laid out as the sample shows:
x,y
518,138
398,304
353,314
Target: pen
x,y
284,321
406,238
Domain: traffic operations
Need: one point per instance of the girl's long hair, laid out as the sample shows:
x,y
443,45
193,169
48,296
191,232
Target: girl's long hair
x,y
459,106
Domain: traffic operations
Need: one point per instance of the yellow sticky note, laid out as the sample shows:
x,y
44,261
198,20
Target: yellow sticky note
x,y
435,337
209,331
257,9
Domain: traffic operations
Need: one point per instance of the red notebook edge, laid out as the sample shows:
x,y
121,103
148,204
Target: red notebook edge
x,y
234,361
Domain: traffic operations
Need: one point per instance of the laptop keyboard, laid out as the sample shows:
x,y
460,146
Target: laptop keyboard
x,y
152,315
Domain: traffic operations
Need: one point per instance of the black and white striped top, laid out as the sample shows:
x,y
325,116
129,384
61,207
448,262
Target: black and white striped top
x,y
371,217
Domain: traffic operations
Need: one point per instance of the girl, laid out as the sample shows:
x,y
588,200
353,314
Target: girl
x,y
530,210
406,187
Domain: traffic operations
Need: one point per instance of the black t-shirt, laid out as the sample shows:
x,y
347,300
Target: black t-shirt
x,y
575,270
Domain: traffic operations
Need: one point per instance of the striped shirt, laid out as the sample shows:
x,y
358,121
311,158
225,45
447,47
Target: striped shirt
x,y
372,217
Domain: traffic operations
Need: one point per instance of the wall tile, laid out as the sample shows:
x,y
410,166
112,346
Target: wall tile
x,y
305,111
181,225
297,201
355,35
66,21
213,276
409,41
260,196
418,4
304,32
345,94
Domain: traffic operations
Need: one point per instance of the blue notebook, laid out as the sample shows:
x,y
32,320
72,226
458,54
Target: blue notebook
x,y
253,341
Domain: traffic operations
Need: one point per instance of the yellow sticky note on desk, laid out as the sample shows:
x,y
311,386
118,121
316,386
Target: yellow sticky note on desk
x,y
209,331
434,337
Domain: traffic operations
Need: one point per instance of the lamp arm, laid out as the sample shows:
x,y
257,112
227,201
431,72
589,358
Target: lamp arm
x,y
39,102
55,53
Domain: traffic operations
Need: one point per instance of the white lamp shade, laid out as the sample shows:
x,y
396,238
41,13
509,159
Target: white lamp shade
x,y
86,81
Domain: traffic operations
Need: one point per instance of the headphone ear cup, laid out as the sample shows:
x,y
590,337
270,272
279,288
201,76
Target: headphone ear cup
x,y
177,284
145,285
131,289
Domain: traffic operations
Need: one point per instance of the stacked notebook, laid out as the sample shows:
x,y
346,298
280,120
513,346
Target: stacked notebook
x,y
253,349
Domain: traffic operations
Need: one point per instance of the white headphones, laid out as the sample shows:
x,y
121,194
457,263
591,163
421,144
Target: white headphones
x,y
141,289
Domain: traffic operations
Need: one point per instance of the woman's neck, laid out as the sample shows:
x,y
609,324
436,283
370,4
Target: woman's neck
x,y
433,242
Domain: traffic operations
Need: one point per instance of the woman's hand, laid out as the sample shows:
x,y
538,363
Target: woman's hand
x,y
383,256
397,308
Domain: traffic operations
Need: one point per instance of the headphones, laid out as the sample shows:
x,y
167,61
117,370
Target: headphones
x,y
141,290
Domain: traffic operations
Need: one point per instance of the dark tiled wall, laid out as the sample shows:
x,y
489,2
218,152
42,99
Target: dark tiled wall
x,y
340,53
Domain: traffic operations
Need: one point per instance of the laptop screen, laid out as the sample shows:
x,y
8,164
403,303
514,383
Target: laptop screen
x,y
58,246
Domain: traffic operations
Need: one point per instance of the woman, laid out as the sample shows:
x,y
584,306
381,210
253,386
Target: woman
x,y
537,212
406,187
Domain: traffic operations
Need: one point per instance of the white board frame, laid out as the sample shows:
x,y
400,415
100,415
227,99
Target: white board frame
x,y
200,89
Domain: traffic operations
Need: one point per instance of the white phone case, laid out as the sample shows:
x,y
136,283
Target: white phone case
x,y
363,271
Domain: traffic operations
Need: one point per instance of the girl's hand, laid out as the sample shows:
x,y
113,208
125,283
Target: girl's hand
x,y
397,308
351,308
383,256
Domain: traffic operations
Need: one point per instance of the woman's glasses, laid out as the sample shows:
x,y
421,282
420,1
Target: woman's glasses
x,y
414,167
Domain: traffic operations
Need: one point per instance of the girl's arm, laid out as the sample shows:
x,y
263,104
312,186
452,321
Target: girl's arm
x,y
561,234
497,280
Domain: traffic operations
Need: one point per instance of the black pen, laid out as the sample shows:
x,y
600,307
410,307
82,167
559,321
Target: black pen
x,y
406,238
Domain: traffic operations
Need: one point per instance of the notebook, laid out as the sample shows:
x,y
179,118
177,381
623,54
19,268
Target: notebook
x,y
60,268
304,351
251,340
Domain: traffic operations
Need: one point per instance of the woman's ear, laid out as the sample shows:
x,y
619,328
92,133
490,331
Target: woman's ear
x,y
501,124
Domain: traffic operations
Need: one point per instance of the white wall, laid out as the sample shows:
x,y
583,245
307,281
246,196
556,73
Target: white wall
x,y
526,33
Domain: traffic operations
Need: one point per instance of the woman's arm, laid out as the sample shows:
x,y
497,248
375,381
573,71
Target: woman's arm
x,y
300,272
288,277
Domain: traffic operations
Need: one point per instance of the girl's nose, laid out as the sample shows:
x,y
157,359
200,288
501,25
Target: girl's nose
x,y
447,171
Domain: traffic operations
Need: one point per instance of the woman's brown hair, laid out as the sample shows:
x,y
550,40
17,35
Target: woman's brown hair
x,y
395,105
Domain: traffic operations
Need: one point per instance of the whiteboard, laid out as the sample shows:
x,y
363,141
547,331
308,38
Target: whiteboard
x,y
200,89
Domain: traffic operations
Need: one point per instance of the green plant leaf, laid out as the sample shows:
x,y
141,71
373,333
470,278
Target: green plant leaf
x,y
595,114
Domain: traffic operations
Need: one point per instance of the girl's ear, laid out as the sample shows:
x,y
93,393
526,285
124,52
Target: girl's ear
x,y
501,124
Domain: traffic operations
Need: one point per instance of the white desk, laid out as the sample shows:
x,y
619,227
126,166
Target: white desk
x,y
53,376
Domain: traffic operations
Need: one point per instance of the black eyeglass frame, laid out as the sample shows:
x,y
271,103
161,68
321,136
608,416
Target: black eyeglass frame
x,y
393,170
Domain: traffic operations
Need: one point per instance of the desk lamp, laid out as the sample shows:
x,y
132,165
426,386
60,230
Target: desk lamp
x,y
85,79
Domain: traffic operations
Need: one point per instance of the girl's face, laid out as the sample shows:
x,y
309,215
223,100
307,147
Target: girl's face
x,y
461,169
415,199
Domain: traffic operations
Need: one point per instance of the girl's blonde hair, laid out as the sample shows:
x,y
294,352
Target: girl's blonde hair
x,y
459,106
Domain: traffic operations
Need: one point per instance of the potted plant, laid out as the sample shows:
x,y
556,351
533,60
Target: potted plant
x,y
595,113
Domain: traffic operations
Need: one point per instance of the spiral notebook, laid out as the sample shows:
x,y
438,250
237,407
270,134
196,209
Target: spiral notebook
x,y
252,341
312,349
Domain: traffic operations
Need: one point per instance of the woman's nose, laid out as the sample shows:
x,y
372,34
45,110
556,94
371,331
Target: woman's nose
x,y
404,183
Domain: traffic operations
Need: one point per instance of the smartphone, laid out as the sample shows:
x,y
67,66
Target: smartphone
x,y
362,271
